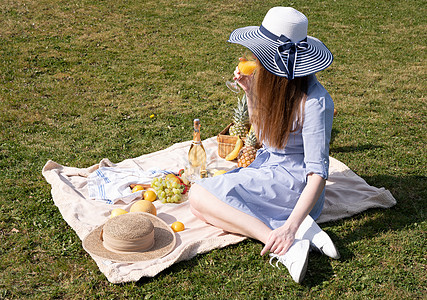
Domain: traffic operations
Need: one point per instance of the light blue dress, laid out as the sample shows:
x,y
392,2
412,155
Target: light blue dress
x,y
270,187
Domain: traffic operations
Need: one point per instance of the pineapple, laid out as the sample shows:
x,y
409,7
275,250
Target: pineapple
x,y
247,154
240,118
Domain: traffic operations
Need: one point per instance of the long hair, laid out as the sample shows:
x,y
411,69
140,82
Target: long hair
x,y
278,106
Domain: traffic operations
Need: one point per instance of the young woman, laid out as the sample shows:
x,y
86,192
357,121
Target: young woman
x,y
276,198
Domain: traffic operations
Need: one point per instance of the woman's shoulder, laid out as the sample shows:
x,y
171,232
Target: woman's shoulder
x,y
318,99
317,93
315,88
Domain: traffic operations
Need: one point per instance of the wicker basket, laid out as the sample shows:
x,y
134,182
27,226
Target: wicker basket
x,y
226,142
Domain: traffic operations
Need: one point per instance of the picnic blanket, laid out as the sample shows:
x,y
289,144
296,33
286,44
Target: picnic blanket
x,y
346,194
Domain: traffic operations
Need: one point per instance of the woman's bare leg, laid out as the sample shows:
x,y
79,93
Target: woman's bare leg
x,y
211,210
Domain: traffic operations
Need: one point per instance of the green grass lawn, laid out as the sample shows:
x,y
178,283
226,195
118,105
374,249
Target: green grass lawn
x,y
80,79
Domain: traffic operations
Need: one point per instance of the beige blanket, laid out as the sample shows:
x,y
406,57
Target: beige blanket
x,y
346,194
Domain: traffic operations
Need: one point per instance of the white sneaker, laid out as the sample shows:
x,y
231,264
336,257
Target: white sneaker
x,y
295,260
320,240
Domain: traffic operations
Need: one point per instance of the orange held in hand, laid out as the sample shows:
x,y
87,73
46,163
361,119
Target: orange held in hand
x,y
177,226
247,67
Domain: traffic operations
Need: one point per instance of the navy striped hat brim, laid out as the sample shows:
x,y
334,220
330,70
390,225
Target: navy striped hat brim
x,y
316,57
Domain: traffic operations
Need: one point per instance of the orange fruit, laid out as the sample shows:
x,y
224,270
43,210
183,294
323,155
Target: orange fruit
x,y
117,212
137,188
143,206
150,196
177,226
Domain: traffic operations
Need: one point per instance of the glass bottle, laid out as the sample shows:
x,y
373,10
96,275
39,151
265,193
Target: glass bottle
x,y
197,154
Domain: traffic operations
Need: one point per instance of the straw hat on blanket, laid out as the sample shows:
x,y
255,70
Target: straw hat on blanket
x,y
131,237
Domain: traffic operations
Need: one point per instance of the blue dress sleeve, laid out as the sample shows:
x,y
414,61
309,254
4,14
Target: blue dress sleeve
x,y
316,132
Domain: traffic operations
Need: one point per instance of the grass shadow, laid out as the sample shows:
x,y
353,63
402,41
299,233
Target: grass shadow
x,y
334,133
354,148
409,192
319,270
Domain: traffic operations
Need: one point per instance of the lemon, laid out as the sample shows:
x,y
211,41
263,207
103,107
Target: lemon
x,y
117,212
137,188
143,206
150,196
219,172
177,226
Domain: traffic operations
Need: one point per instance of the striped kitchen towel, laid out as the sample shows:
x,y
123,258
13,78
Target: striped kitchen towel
x,y
111,184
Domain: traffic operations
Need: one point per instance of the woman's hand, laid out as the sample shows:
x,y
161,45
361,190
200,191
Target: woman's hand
x,y
244,81
280,240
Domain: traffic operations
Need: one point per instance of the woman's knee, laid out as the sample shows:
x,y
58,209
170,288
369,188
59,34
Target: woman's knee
x,y
196,204
200,199
194,196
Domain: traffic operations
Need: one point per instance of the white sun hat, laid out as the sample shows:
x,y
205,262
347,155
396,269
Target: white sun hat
x,y
282,46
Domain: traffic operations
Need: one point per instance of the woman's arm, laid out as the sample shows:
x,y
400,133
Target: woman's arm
x,y
282,238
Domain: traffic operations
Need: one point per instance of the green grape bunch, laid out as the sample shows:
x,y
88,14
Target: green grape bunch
x,y
167,190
